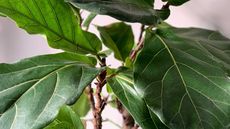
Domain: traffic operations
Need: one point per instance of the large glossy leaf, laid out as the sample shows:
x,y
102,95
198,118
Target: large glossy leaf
x,y
123,87
33,90
182,75
53,18
66,119
118,37
176,2
125,10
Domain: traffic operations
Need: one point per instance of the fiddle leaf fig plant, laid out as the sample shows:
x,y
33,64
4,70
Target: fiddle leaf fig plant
x,y
171,78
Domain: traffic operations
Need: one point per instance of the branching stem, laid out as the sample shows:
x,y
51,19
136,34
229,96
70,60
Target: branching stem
x,y
97,102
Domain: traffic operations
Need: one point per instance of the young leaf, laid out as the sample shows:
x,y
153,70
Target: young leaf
x,y
123,87
182,75
125,10
66,119
118,37
53,18
33,90
176,2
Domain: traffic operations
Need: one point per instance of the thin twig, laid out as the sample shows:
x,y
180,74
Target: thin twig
x,y
140,44
136,50
89,91
141,33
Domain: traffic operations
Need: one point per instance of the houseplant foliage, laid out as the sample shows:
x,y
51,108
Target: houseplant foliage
x,y
173,78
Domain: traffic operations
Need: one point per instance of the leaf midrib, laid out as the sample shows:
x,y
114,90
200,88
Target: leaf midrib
x,y
43,78
182,79
49,29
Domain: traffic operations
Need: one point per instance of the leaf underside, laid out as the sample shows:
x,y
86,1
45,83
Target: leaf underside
x,y
183,76
33,90
125,10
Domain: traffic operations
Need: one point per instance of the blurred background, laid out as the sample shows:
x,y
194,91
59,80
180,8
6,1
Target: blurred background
x,y
16,44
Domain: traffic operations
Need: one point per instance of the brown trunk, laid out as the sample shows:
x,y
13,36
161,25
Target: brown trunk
x,y
128,121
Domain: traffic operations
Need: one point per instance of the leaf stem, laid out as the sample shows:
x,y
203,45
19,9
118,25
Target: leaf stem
x,y
140,44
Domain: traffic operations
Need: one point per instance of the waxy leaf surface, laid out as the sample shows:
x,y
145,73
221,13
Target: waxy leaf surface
x,y
119,38
53,18
123,87
66,119
33,90
183,76
125,10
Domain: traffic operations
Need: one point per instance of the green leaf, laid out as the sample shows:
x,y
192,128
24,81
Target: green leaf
x,y
33,90
89,19
66,119
125,10
53,18
119,38
182,75
176,2
2,15
105,53
123,87
82,106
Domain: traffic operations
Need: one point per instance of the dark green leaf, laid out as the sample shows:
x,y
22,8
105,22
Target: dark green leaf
x,y
81,107
125,10
176,2
122,86
33,90
182,75
53,18
66,119
119,38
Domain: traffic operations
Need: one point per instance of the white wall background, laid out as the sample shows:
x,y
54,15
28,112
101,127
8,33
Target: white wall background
x,y
16,44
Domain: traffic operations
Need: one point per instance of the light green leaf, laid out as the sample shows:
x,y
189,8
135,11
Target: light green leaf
x,y
82,106
33,90
125,10
182,75
105,53
119,38
2,15
53,18
176,2
66,119
122,86
89,19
